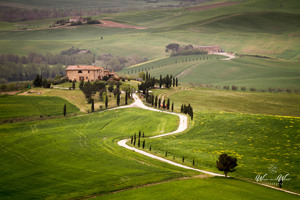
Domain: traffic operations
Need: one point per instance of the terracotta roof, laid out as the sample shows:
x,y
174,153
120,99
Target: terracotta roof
x,y
83,67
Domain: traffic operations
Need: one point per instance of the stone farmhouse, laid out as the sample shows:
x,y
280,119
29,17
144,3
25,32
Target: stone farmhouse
x,y
209,49
88,73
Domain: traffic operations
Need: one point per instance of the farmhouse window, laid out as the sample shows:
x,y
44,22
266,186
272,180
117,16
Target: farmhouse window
x,y
87,78
88,71
79,71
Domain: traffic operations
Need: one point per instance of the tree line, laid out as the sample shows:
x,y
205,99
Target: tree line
x,y
150,82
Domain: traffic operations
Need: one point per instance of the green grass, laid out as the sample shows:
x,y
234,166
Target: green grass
x,y
273,32
18,106
255,140
248,72
78,156
171,65
212,188
207,100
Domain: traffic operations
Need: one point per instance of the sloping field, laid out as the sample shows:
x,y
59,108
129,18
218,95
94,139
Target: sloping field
x,y
28,106
78,156
208,100
255,140
194,189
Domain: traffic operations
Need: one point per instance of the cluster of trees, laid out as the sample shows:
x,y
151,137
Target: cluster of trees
x,y
90,88
187,110
149,82
39,81
134,138
157,102
178,50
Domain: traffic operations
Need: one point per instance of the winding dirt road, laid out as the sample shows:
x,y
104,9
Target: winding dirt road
x,y
182,127
183,124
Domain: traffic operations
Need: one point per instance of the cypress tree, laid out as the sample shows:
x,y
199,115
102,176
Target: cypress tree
x,y
81,85
131,139
193,162
164,103
134,137
172,107
155,102
65,110
126,96
143,144
181,109
160,81
150,148
166,154
139,142
159,103
73,85
168,104
93,105
118,99
152,100
176,82
106,102
182,159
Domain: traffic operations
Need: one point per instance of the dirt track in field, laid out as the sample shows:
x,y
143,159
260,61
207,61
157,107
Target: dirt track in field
x,y
216,5
111,24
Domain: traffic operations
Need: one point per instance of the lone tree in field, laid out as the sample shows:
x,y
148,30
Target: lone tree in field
x,y
65,110
226,163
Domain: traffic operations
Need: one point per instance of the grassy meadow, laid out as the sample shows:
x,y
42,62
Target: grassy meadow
x,y
78,156
212,100
194,189
18,106
265,33
259,73
255,140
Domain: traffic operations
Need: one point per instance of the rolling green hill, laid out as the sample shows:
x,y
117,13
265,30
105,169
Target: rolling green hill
x,y
194,189
78,156
255,140
28,106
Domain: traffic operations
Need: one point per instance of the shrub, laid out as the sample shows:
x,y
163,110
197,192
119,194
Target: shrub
x,y
252,89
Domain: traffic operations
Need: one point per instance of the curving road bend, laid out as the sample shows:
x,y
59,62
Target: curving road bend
x,y
182,127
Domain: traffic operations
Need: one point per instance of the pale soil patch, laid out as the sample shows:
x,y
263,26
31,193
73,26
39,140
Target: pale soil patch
x,y
216,5
111,24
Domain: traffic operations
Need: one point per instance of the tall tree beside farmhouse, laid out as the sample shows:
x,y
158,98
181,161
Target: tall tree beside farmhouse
x,y
93,105
155,104
118,99
176,82
81,85
126,96
226,163
65,110
73,85
106,102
